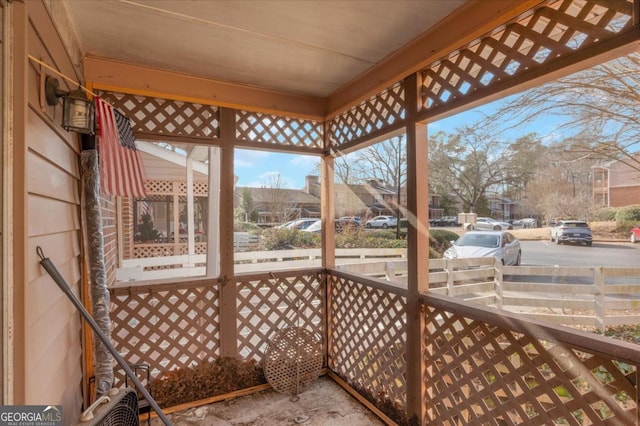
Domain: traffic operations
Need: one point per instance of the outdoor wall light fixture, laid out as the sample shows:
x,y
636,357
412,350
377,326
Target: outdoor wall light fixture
x,y
78,112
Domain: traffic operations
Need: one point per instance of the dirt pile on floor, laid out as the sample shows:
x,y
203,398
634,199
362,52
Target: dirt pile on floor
x,y
205,380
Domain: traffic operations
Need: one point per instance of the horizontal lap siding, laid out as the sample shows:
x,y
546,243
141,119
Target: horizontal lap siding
x,y
53,343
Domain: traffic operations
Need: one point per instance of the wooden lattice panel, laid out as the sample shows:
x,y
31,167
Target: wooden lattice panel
x,y
377,113
482,374
167,328
553,31
165,117
200,189
269,304
201,248
368,338
143,251
278,131
159,187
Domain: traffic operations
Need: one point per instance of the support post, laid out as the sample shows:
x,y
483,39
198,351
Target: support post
x,y
213,200
497,282
228,290
327,205
328,249
598,282
418,248
191,232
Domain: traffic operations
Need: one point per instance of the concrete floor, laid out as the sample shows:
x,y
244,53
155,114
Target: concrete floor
x,y
325,403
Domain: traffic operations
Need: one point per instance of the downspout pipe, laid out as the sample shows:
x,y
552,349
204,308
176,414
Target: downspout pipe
x,y
94,245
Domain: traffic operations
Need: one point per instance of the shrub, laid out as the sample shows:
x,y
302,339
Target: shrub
x,y
440,240
247,227
628,216
358,238
604,214
285,239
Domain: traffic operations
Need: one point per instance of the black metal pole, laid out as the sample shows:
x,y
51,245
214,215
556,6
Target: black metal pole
x,y
48,265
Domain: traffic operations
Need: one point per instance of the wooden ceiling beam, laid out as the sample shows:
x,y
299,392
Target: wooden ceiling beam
x,y
115,76
467,24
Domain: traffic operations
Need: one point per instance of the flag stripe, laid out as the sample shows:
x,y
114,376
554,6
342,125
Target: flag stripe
x,y
121,169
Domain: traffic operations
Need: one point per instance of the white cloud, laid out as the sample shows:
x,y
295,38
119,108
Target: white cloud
x,y
306,162
267,179
245,158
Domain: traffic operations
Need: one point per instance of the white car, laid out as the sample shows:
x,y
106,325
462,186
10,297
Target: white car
x,y
382,222
490,224
298,224
500,244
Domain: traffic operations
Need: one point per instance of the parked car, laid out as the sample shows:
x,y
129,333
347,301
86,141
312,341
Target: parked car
x,y
299,223
490,224
351,218
382,222
525,223
500,244
340,225
635,234
445,221
571,231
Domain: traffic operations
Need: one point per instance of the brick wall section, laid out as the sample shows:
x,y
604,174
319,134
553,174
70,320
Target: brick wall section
x,y
110,236
624,196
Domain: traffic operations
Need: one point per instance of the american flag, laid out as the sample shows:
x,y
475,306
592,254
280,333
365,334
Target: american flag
x,y
121,170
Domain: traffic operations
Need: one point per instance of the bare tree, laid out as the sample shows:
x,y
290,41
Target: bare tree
x,y
472,162
346,169
385,161
279,201
561,186
599,106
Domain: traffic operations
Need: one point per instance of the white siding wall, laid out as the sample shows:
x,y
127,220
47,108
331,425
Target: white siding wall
x,y
53,335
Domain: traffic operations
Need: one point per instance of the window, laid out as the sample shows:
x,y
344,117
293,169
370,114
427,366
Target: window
x,y
172,231
276,201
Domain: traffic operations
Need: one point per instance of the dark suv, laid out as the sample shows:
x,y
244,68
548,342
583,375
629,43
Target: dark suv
x,y
571,231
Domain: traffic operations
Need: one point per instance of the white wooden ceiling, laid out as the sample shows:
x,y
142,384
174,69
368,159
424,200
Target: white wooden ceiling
x,y
301,47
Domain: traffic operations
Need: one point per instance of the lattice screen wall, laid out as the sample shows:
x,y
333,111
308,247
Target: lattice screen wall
x,y
267,303
158,118
178,325
367,332
550,33
380,113
167,326
259,129
479,373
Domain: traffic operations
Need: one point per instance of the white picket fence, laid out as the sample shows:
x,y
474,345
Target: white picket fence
x,y
156,268
574,296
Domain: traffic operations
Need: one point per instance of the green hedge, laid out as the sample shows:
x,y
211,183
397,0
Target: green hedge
x,y
285,239
627,217
604,214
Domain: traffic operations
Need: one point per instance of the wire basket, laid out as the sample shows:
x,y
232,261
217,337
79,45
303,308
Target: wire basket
x,y
293,360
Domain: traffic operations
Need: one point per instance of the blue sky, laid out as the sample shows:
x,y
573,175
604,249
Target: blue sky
x,y
256,168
